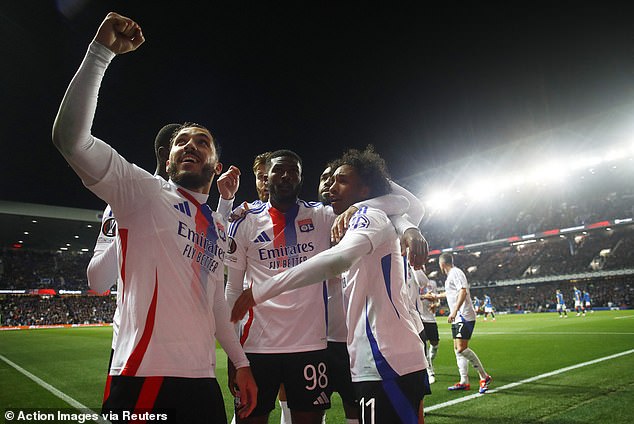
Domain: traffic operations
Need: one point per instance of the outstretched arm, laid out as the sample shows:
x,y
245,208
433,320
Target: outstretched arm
x,y
87,155
325,265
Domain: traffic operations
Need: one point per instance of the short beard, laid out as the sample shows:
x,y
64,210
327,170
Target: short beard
x,y
190,180
285,199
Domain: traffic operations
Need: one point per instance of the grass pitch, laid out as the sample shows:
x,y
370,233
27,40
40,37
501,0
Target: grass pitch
x,y
512,349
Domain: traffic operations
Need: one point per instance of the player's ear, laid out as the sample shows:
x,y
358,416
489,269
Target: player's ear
x,y
218,168
163,153
167,164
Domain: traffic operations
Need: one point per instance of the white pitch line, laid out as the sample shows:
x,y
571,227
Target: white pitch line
x,y
63,396
625,317
528,380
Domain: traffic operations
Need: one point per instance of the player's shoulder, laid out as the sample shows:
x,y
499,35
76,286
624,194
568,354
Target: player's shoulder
x,y
310,205
247,216
372,214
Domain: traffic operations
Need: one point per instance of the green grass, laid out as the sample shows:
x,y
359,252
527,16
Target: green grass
x,y
513,348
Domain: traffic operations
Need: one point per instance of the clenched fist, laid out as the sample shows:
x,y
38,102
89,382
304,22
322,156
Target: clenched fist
x,y
119,34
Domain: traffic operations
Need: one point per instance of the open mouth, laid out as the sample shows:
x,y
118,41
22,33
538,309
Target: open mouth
x,y
189,158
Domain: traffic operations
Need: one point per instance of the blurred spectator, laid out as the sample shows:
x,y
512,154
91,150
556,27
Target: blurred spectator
x,y
42,310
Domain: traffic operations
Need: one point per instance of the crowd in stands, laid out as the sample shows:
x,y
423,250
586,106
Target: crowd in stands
x,y
31,269
541,297
50,310
572,254
604,195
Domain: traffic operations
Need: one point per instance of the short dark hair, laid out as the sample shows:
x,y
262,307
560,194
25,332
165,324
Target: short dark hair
x,y
371,169
164,139
283,153
195,125
260,160
446,258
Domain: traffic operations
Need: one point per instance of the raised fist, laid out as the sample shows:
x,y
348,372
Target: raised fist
x,y
119,34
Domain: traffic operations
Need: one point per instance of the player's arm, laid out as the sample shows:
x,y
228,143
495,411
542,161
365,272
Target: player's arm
x,y
228,339
462,295
103,268
434,296
420,277
415,211
325,265
413,243
235,285
88,156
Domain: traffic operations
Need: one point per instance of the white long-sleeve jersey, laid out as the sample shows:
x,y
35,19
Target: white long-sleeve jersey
x,y
171,250
382,341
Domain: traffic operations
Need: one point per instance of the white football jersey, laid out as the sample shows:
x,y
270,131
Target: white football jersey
x,y
457,280
336,313
172,248
382,340
266,242
413,298
425,286
107,236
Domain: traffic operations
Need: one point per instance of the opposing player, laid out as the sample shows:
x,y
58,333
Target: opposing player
x,y
427,290
561,304
462,318
477,305
172,244
587,301
579,308
488,307
386,355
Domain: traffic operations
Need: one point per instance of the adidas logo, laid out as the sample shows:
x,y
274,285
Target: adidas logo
x,y
184,208
262,238
322,399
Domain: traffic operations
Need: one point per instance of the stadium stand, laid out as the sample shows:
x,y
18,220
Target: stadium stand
x,y
518,247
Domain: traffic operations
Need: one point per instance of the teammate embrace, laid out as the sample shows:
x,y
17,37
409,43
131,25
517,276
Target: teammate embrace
x,y
168,250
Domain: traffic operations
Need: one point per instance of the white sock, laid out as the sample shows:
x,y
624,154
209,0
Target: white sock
x,y
323,418
433,350
430,357
463,368
352,421
285,416
475,361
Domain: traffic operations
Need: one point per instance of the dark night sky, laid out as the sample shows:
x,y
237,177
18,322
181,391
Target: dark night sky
x,y
424,85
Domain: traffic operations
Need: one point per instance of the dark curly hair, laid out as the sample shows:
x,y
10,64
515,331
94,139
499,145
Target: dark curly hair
x,y
371,169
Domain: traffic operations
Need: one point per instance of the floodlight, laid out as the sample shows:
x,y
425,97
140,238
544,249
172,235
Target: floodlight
x,y
440,200
482,189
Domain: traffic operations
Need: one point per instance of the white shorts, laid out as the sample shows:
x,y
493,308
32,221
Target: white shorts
x,y
488,309
577,304
561,306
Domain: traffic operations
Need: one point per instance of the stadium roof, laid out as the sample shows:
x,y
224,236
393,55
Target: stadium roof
x,y
45,227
